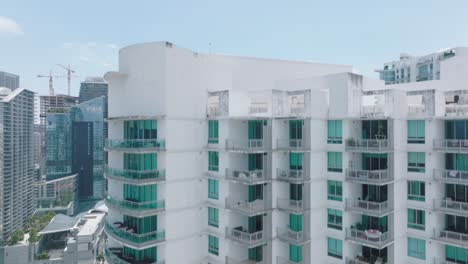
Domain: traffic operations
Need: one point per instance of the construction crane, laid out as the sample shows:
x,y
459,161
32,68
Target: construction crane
x,y
51,81
69,75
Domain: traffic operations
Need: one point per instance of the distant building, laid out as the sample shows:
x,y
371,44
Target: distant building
x,y
54,101
88,157
58,143
58,195
16,160
9,80
91,88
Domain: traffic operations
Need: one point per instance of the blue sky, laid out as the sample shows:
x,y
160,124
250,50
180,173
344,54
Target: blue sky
x,y
36,35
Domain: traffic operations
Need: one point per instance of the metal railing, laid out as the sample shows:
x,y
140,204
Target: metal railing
x,y
256,206
451,176
416,110
451,237
368,206
291,144
115,256
373,111
137,206
449,205
293,236
456,110
368,144
157,174
371,237
128,235
456,145
240,234
291,205
368,176
291,175
246,176
246,144
283,260
158,144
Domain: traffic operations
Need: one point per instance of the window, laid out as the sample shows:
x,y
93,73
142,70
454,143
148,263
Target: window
x,y
140,194
456,254
295,129
295,253
295,191
335,132
140,129
416,191
416,162
213,131
416,219
416,248
213,245
335,219
295,222
335,248
335,162
213,191
416,132
295,160
335,190
213,216
213,161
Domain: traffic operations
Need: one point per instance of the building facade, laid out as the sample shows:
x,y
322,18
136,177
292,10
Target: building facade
x,y
16,155
58,143
8,80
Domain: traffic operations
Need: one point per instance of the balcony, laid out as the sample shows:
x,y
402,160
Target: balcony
x,y
364,260
213,110
373,111
295,206
294,176
451,237
456,110
248,177
375,177
249,208
135,177
417,110
368,207
135,145
451,176
443,261
451,145
116,256
230,260
368,145
369,238
240,234
246,145
447,205
291,236
292,144
138,209
126,235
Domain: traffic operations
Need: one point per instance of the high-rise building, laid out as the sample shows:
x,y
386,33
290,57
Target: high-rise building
x,y
54,101
9,80
88,157
16,160
58,143
91,88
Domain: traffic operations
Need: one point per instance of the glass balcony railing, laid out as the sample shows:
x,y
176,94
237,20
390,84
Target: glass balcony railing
x,y
231,260
368,207
291,144
284,260
127,235
451,176
448,205
368,145
456,109
452,237
443,261
290,175
292,205
451,145
249,208
297,237
136,206
240,234
156,144
116,256
371,238
246,144
247,176
147,175
368,176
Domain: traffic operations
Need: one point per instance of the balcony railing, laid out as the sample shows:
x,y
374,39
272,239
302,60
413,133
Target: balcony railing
x,y
125,234
116,256
369,207
136,175
213,110
416,110
292,205
451,176
368,176
371,111
240,234
448,205
129,144
371,238
246,144
362,260
368,145
456,110
283,260
292,236
291,175
138,207
250,208
246,176
291,144
231,260
451,145
451,237
443,261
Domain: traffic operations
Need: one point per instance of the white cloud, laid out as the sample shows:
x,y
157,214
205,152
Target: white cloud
x,y
112,46
9,26
92,53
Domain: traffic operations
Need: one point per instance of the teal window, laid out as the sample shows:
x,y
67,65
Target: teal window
x,y
256,129
416,191
456,254
416,161
295,191
213,189
255,161
255,192
213,131
142,193
149,254
455,161
213,216
335,190
335,161
296,160
140,129
335,132
213,245
416,248
335,219
416,132
142,225
335,248
295,222
416,219
140,162
295,129
256,254
213,161
295,253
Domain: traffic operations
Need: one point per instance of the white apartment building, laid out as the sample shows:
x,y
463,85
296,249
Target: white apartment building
x,y
222,159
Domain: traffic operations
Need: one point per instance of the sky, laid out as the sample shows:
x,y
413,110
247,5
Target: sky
x,y
37,35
